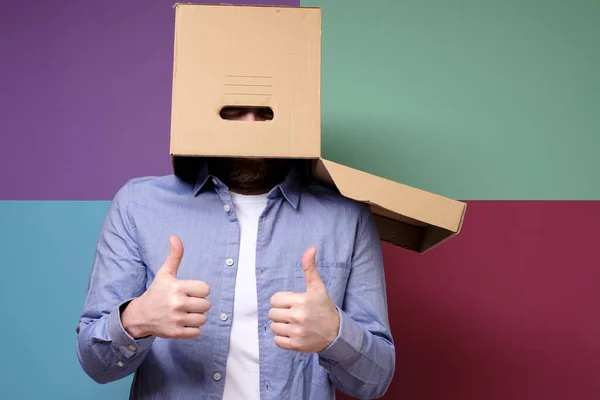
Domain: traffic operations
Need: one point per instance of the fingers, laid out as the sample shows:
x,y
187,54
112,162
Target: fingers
x,y
194,320
284,342
185,333
283,338
197,305
194,288
284,299
280,315
281,329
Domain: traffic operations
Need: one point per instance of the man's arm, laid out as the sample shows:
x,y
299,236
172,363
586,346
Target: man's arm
x,y
106,351
361,360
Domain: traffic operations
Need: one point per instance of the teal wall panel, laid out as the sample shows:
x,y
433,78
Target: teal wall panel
x,y
47,252
471,99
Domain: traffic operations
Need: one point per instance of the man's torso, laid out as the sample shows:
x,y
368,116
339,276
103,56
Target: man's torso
x,y
210,231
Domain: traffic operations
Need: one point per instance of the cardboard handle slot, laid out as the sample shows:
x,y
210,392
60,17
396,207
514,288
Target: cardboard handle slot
x,y
246,113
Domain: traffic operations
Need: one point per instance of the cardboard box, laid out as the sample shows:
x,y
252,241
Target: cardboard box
x,y
266,56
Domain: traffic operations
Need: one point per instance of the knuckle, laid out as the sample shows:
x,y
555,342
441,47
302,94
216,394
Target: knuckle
x,y
176,319
281,343
300,332
299,317
301,301
177,304
295,345
176,332
177,287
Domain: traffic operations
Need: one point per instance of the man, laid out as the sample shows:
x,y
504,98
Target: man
x,y
279,294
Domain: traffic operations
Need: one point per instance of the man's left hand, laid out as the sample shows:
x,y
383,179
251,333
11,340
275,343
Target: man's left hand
x,y
305,322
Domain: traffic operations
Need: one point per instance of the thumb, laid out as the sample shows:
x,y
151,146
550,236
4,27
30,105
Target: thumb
x,y
314,282
173,260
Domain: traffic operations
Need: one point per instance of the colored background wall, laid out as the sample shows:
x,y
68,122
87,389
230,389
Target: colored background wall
x,y
496,103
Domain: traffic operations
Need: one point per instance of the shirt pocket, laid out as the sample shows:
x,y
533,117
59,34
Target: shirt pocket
x,y
334,274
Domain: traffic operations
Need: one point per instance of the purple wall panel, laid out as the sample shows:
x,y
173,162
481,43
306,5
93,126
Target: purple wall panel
x,y
85,95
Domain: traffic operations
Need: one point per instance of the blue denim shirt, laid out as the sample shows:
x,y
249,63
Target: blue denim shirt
x,y
134,243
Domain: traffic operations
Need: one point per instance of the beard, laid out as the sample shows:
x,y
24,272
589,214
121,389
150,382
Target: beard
x,y
250,175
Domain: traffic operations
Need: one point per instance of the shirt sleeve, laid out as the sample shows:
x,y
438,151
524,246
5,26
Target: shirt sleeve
x,y
361,360
105,350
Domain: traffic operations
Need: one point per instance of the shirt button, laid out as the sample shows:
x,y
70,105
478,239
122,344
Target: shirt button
x,y
214,181
223,317
132,347
217,376
226,207
120,364
229,262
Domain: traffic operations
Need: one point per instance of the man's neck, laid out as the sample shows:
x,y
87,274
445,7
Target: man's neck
x,y
239,176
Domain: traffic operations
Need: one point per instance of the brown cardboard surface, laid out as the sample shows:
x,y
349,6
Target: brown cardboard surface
x,y
246,56
406,217
266,56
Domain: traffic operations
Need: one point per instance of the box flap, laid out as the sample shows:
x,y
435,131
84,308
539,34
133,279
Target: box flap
x,y
407,217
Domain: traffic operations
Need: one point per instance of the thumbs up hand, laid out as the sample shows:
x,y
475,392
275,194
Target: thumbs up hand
x,y
170,308
305,322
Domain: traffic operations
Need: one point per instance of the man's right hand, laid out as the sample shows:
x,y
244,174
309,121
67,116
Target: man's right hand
x,y
170,308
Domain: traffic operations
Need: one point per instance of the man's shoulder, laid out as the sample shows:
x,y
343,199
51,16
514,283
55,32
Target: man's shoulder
x,y
151,187
326,196
155,182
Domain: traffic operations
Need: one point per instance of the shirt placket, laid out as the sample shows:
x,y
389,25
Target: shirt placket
x,y
265,228
224,309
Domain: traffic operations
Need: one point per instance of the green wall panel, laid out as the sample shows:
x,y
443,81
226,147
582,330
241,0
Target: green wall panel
x,y
470,99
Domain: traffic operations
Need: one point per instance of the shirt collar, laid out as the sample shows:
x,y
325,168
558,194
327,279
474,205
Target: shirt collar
x,y
202,178
290,187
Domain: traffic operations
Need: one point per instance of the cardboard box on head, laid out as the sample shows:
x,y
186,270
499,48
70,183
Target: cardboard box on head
x,y
270,57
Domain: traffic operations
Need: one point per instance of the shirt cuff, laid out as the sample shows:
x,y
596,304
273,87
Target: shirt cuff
x,y
123,341
347,344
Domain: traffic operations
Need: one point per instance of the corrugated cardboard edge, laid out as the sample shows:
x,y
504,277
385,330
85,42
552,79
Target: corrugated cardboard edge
x,y
440,217
239,5
438,243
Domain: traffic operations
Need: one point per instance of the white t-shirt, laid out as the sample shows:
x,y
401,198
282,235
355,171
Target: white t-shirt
x,y
242,373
